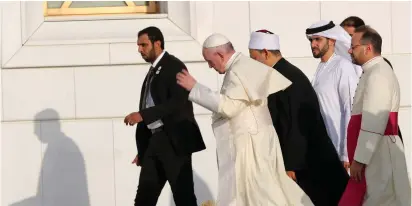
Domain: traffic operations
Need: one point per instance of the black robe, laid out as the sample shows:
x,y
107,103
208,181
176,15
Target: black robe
x,y
306,147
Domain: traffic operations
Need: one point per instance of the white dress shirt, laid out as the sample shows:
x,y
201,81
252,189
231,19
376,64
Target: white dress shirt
x,y
149,99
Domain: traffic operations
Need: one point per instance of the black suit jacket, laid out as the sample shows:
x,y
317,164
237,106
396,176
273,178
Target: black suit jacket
x,y
172,107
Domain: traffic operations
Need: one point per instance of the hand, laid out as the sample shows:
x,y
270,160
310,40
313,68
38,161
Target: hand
x,y
185,80
356,170
136,161
291,174
346,165
133,118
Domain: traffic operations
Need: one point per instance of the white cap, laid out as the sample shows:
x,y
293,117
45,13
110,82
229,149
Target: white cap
x,y
264,39
215,40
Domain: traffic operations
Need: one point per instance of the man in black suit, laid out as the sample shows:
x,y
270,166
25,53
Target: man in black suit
x,y
309,155
167,133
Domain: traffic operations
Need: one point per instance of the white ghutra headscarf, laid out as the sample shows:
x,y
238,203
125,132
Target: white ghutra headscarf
x,y
330,30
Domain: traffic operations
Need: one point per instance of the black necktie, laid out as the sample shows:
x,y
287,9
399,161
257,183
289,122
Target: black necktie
x,y
147,85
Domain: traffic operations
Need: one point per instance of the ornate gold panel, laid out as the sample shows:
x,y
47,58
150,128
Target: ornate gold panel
x,y
66,8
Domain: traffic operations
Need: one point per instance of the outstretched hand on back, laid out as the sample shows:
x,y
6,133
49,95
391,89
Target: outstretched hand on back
x,y
185,80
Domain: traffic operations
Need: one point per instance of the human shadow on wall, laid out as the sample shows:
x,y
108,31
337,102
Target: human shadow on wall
x,y
202,191
63,179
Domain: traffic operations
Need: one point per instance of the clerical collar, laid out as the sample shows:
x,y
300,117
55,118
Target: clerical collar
x,y
371,62
158,59
230,61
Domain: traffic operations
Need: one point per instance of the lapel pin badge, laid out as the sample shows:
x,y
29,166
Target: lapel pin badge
x,y
158,70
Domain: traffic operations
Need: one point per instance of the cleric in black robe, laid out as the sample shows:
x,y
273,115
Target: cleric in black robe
x,y
309,155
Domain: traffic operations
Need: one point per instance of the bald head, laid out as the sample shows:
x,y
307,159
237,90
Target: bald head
x,y
217,50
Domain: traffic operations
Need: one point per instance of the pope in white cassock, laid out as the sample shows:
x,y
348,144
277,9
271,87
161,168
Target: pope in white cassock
x,y
250,162
335,80
378,168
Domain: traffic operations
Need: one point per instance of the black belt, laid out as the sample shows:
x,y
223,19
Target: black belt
x,y
156,130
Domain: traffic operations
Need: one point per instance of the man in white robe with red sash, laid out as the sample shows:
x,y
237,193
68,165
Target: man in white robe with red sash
x,y
250,162
378,168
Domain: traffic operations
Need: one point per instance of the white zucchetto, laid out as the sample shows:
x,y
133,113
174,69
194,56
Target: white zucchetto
x,y
215,40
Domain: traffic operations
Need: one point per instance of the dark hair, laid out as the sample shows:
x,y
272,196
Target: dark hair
x,y
370,36
353,21
154,35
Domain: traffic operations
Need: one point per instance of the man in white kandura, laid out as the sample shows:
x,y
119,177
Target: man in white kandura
x,y
335,80
251,167
378,170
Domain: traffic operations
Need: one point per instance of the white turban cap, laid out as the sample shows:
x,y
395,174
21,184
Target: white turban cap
x,y
264,39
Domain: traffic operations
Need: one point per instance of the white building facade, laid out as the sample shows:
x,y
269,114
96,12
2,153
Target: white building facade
x,y
68,81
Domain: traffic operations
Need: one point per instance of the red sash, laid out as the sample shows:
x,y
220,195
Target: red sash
x,y
355,191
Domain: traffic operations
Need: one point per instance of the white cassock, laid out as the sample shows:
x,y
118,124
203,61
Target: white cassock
x,y
251,167
335,83
373,140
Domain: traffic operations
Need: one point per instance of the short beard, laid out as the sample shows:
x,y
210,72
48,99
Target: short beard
x,y
322,52
151,57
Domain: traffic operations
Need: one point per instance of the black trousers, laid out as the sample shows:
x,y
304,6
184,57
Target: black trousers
x,y
315,190
161,164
